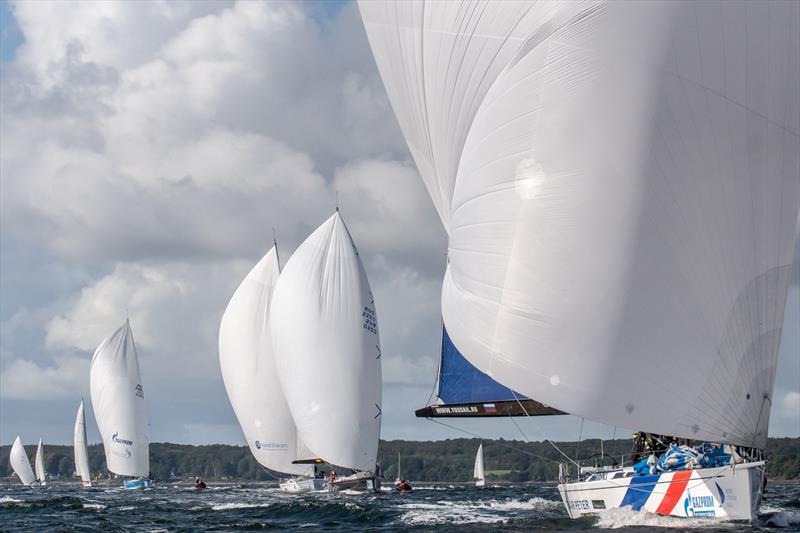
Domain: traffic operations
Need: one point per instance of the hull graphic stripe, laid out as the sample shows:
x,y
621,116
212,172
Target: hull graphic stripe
x,y
638,491
674,492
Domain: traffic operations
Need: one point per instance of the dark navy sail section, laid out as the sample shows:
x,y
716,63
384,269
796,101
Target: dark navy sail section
x,y
465,391
461,382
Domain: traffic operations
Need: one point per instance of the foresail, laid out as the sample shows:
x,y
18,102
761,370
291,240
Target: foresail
x,y
38,462
118,402
249,373
325,333
20,463
478,470
625,206
80,447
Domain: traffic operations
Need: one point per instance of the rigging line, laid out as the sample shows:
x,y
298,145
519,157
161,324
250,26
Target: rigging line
x,y
497,442
578,448
567,457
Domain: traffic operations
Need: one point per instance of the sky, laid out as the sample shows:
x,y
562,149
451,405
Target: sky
x,y
147,151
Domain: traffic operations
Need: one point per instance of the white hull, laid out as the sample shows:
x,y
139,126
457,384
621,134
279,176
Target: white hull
x,y
137,484
723,493
303,485
358,481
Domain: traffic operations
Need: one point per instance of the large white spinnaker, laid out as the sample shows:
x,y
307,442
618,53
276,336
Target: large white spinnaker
x,y
249,373
38,463
118,403
20,463
325,334
625,207
477,473
80,447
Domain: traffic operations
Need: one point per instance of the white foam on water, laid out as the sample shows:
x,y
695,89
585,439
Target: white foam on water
x,y
9,499
778,518
626,517
237,505
98,506
532,504
127,508
424,514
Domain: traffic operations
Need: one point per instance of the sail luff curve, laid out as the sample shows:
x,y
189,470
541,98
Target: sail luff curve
x,y
20,463
118,403
80,449
249,373
325,333
38,462
478,470
624,209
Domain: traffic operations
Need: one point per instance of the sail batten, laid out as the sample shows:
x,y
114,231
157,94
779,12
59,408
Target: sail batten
x,y
325,334
251,380
620,186
118,403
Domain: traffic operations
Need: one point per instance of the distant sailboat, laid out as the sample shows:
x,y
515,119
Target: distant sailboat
x,y
401,484
79,448
118,402
41,475
325,333
477,474
20,463
584,277
251,380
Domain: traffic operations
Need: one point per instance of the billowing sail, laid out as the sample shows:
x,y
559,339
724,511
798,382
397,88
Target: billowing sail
x,y
625,206
20,463
38,463
79,446
477,474
248,370
325,334
118,402
465,391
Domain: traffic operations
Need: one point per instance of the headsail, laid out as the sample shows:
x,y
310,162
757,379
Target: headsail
x,y
38,462
325,334
465,391
79,446
477,473
118,402
249,373
625,203
20,463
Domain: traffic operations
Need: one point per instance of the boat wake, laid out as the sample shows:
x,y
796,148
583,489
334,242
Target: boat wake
x,y
469,512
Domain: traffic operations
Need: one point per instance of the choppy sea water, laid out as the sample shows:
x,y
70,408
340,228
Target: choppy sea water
x,y
256,506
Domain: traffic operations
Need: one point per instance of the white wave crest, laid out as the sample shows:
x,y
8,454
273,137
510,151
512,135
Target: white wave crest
x,y
9,499
626,517
237,505
98,506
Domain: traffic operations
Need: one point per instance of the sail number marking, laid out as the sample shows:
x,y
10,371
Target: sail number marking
x,y
370,321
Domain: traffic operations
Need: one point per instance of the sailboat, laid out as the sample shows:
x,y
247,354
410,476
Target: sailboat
x,y
79,448
20,463
41,475
325,334
401,484
118,402
251,380
477,474
619,184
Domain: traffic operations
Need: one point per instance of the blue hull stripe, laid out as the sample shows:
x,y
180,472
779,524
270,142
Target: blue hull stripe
x,y
638,491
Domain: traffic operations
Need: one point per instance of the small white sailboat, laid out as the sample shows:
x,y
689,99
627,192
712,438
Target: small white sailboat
x,y
79,448
247,362
41,475
477,474
325,334
118,402
639,281
20,463
401,484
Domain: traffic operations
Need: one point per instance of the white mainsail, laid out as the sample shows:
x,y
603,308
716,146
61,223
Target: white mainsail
x,y
325,334
477,474
118,402
38,462
79,447
20,463
625,204
249,373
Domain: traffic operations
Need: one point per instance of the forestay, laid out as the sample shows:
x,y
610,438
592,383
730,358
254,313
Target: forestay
x,y
625,206
118,402
249,373
20,463
80,450
325,334
38,463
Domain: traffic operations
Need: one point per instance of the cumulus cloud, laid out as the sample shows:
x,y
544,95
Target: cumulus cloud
x,y
24,379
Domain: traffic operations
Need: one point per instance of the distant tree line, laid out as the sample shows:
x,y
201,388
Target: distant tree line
x,y
446,460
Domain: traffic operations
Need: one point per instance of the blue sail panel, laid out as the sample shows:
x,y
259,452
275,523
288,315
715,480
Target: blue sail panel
x,y
461,382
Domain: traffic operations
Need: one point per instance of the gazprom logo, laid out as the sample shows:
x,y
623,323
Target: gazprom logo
x,y
121,441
